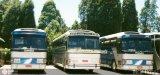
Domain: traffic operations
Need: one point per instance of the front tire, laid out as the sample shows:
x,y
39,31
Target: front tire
x,y
90,70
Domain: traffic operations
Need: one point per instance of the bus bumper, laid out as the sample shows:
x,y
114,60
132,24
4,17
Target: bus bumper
x,y
79,66
129,67
28,66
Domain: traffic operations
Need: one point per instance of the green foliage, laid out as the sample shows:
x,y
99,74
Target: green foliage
x,y
130,20
10,21
53,30
4,4
27,15
48,13
83,13
76,25
144,17
158,24
101,16
154,16
5,56
149,17
14,14
51,21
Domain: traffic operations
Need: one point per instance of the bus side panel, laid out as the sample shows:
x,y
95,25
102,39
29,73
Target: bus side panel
x,y
106,60
58,59
59,56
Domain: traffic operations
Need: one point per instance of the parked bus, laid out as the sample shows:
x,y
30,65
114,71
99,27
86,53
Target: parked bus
x,y
77,49
156,45
127,51
28,49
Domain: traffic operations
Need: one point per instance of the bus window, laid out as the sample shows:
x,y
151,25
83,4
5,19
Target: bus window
x,y
92,43
83,42
133,44
19,41
38,42
76,42
24,41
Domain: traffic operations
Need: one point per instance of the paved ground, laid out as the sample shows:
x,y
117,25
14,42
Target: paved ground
x,y
51,70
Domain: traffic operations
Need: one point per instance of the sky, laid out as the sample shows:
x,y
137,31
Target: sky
x,y
69,9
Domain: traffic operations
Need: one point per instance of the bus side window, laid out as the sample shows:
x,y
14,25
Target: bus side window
x,y
109,46
106,45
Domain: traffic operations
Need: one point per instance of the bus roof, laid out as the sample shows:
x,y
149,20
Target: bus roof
x,y
82,33
77,33
152,33
119,35
28,31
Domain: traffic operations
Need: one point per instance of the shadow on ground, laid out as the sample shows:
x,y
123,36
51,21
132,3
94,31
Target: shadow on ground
x,y
118,71
29,72
77,72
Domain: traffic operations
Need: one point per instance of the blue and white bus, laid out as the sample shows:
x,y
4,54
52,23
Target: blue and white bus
x,y
28,49
127,51
77,49
156,46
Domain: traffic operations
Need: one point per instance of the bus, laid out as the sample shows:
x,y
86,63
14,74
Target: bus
x,y
127,51
29,49
77,49
156,46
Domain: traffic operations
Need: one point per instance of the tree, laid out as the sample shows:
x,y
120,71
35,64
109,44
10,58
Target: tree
x,y
158,24
148,17
153,16
83,13
51,21
144,17
48,13
130,19
27,15
101,16
10,21
4,4
76,25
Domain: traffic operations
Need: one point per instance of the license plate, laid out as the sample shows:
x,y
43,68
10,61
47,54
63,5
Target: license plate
x,y
84,60
28,65
139,67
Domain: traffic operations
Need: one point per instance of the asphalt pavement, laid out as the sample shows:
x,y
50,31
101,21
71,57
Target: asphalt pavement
x,y
52,70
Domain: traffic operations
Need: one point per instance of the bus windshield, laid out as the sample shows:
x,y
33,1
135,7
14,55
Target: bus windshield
x,y
83,42
29,41
136,45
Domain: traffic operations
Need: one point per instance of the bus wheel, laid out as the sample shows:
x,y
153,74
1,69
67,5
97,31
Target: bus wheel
x,y
65,70
90,70
114,66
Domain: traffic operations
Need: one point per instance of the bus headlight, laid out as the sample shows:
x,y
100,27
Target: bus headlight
x,y
40,60
127,62
16,61
148,62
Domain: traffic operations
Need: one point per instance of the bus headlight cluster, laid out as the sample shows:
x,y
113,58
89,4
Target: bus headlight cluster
x,y
40,60
148,62
127,62
16,61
